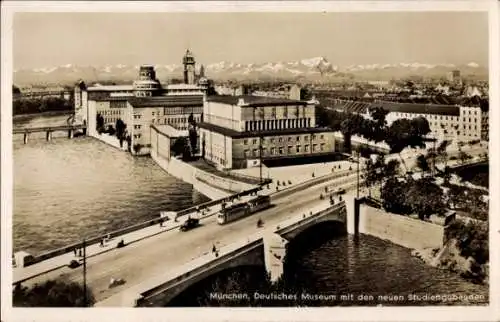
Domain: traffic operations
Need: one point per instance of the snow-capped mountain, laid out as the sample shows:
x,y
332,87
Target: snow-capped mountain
x,y
316,68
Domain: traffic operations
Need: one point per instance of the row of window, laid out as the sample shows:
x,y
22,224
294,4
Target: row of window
x,y
280,139
277,124
108,112
118,104
289,150
174,120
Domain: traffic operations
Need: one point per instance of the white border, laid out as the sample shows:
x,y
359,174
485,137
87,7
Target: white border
x,y
490,313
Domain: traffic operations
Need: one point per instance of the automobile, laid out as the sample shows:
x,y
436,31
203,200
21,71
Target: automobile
x,y
339,191
190,223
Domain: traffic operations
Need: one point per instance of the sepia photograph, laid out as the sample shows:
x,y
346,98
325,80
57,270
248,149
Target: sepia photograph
x,y
248,159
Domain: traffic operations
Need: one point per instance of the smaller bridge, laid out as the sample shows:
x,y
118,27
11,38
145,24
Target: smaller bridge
x,y
71,128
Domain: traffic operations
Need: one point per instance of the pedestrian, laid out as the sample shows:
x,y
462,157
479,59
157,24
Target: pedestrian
x,y
161,222
79,252
74,251
214,249
102,242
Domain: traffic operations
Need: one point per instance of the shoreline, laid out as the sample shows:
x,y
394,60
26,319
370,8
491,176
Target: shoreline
x,y
27,116
448,258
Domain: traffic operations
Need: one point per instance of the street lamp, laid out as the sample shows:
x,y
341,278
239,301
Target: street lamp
x,y
357,177
84,273
260,157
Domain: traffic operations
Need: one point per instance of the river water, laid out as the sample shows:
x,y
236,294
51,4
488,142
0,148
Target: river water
x,y
67,189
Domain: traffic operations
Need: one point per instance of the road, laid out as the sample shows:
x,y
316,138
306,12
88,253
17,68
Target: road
x,y
139,261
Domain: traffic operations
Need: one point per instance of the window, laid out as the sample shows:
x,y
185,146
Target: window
x,y
289,139
306,148
272,140
255,153
297,148
281,150
314,136
279,139
322,147
315,147
245,142
298,138
306,138
247,153
137,127
273,150
322,137
289,150
254,141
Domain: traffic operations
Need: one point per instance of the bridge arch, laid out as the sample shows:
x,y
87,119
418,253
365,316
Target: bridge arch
x,y
253,257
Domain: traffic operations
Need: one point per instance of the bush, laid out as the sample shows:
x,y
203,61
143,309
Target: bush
x,y
52,293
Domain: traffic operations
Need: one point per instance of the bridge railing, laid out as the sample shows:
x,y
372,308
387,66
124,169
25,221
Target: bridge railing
x,y
119,232
307,217
199,266
48,128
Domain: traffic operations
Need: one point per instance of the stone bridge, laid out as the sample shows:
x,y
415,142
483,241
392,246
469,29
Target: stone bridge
x,y
266,248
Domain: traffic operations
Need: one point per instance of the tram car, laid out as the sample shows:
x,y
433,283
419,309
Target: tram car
x,y
243,209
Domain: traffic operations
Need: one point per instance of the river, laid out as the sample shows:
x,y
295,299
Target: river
x,y
67,189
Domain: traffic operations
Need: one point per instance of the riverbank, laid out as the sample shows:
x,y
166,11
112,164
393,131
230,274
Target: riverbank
x,y
449,258
29,116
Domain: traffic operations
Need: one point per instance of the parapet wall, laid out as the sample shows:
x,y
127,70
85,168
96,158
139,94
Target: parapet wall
x,y
209,184
401,230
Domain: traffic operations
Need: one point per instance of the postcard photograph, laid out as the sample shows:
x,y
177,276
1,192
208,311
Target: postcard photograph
x,y
250,159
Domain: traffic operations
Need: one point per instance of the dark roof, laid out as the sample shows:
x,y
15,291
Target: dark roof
x,y
418,108
251,100
248,134
167,101
362,107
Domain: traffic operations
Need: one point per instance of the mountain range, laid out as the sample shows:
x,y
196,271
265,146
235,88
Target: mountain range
x,y
312,69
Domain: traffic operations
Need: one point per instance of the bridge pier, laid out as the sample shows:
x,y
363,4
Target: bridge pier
x,y
70,134
26,137
274,255
48,135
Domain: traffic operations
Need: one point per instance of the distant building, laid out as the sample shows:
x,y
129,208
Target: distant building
x,y
446,122
454,76
237,131
147,85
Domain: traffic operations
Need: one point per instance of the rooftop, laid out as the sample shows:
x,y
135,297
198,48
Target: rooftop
x,y
249,134
170,131
99,87
251,100
362,107
167,101
183,86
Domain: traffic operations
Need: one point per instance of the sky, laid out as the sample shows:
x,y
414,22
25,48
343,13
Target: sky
x,y
97,39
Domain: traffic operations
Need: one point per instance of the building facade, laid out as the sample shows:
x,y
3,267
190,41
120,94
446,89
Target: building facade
x,y
239,131
446,122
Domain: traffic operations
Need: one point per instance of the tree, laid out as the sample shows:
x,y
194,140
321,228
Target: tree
x,y
99,123
15,90
374,172
441,152
179,146
52,293
422,163
120,127
425,198
393,195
